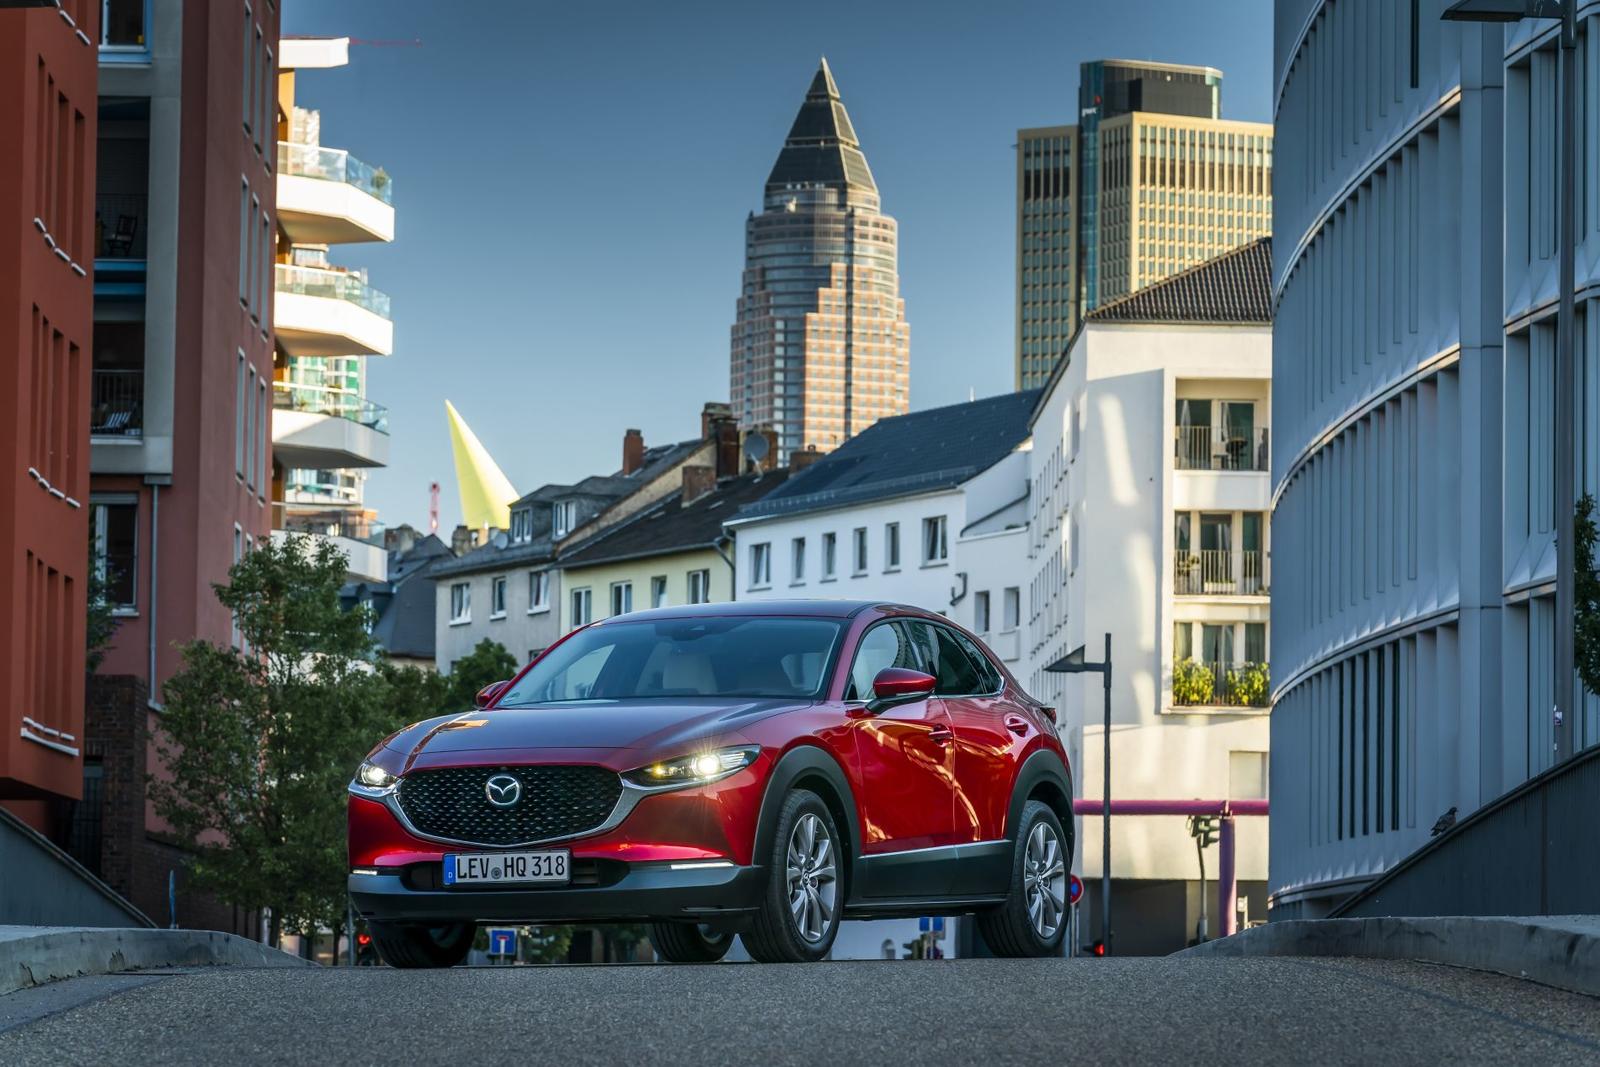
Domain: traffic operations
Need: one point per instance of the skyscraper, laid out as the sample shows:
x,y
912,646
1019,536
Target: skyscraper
x,y
820,346
1150,182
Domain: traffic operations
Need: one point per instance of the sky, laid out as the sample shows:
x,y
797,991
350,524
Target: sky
x,y
571,182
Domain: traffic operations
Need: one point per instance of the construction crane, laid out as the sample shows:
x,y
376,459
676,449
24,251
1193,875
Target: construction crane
x,y
433,508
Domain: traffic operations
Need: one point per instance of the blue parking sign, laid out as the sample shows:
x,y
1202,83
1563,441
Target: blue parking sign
x,y
502,942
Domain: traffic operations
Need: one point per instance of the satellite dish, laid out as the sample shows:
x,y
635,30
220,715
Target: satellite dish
x,y
500,539
756,447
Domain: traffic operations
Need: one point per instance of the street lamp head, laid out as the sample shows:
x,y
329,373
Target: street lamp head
x,y
1501,10
1072,663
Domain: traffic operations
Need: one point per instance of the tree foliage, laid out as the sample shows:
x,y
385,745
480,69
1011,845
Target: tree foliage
x,y
1586,597
488,662
100,622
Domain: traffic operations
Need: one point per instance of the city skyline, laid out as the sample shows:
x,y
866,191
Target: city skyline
x,y
501,239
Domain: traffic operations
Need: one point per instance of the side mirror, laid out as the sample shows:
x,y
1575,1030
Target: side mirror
x,y
898,685
489,693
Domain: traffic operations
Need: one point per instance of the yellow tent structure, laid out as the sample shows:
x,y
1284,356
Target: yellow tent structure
x,y
486,493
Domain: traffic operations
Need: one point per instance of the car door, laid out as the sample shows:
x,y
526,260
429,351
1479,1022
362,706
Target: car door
x,y
905,771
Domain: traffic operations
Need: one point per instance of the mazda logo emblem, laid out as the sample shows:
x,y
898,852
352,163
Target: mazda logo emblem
x,y
503,790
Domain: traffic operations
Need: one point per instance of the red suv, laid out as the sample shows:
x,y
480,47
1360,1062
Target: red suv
x,y
764,770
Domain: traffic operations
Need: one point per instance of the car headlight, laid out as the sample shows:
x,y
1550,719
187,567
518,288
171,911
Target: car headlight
x,y
373,780
695,769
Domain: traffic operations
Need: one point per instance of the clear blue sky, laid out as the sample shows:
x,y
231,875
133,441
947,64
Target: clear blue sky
x,y
571,182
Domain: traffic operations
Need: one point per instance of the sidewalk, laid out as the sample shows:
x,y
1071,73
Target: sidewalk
x,y
34,955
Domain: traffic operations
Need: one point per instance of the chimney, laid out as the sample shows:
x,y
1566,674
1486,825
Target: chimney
x,y
461,539
727,450
697,482
713,413
402,538
632,451
799,461
770,460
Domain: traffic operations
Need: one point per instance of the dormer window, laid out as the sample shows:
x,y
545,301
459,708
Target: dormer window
x,y
521,526
564,516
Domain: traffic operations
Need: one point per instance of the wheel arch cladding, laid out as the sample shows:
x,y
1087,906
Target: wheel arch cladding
x,y
1044,778
812,768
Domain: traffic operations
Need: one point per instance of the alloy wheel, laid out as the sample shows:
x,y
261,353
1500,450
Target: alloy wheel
x,y
1044,880
812,878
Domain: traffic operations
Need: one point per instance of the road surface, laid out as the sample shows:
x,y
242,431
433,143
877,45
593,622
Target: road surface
x,y
943,1012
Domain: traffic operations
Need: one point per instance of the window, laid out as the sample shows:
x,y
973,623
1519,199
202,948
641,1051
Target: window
x,y
115,530
538,591
263,436
564,516
460,603
497,597
1182,641
945,659
858,559
621,598
582,607
244,242
797,561
760,565
980,612
250,429
238,554
1011,607
247,66
241,400
122,24
935,546
1255,642
658,591
1247,776
699,587
522,525
891,546
830,552
885,645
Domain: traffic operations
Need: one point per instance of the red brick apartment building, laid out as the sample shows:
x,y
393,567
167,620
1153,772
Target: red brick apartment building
x,y
48,60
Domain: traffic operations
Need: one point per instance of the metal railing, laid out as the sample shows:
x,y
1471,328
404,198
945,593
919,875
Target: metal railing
x,y
334,165
1217,448
1197,683
290,397
119,225
1219,572
333,285
116,400
354,527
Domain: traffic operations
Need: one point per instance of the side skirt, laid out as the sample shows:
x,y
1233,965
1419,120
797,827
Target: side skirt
x,y
979,871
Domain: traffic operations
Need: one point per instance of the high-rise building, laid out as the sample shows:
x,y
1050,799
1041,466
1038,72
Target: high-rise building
x,y
47,238
326,433
820,346
1150,182
180,404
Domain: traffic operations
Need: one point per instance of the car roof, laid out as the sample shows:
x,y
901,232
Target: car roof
x,y
821,609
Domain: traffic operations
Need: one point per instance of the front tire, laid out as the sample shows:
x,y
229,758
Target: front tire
x,y
422,946
1033,919
690,942
804,898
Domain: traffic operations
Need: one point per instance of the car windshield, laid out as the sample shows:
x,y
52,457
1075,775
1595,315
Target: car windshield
x,y
696,657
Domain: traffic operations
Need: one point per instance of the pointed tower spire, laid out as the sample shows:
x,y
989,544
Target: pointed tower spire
x,y
486,493
822,85
822,147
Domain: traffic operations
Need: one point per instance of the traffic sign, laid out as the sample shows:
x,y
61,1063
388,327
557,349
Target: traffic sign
x,y
1074,889
502,942
933,925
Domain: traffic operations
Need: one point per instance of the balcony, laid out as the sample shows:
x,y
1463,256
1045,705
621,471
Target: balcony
x,y
323,312
1219,572
1220,448
365,557
326,196
1202,684
116,401
313,429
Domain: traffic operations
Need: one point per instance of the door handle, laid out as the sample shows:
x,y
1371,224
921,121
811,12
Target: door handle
x,y
1017,725
941,735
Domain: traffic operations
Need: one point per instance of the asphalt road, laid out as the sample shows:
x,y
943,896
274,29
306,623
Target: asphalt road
x,y
946,1012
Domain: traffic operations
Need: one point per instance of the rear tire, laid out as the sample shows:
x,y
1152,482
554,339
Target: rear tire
x,y
690,942
422,946
804,898
1033,919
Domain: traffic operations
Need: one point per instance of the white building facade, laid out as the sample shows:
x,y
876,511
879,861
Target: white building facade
x,y
1149,520
1415,281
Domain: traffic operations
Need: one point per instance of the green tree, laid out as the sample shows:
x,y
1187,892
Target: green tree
x,y
1586,597
261,740
100,622
488,662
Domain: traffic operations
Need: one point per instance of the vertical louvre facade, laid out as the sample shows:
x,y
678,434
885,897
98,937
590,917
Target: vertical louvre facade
x,y
820,345
1414,386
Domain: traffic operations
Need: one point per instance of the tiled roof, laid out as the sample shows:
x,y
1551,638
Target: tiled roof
x,y
1235,287
906,454
672,526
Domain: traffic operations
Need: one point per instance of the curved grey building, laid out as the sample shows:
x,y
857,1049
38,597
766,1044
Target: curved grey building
x,y
1413,610
821,349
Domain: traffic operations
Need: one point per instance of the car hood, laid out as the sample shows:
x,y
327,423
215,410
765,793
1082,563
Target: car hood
x,y
646,729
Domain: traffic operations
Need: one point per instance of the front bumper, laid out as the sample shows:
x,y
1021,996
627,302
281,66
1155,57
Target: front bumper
x,y
646,892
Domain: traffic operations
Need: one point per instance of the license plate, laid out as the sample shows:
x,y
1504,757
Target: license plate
x,y
508,868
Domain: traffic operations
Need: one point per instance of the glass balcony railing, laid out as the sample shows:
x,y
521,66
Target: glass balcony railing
x,y
332,285
354,527
334,165
290,397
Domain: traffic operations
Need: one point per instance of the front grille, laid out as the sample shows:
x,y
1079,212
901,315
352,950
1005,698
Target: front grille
x,y
555,802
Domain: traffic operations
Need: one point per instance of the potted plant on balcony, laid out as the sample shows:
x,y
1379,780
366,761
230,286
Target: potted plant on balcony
x,y
1192,682
380,181
1249,685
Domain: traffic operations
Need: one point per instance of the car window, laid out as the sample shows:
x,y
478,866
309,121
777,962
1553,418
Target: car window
x,y
953,669
989,675
885,645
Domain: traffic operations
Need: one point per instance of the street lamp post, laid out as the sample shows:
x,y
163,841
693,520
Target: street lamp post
x,y
1073,663
1566,326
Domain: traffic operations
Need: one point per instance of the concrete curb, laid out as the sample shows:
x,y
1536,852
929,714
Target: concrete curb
x,y
34,955
1557,950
